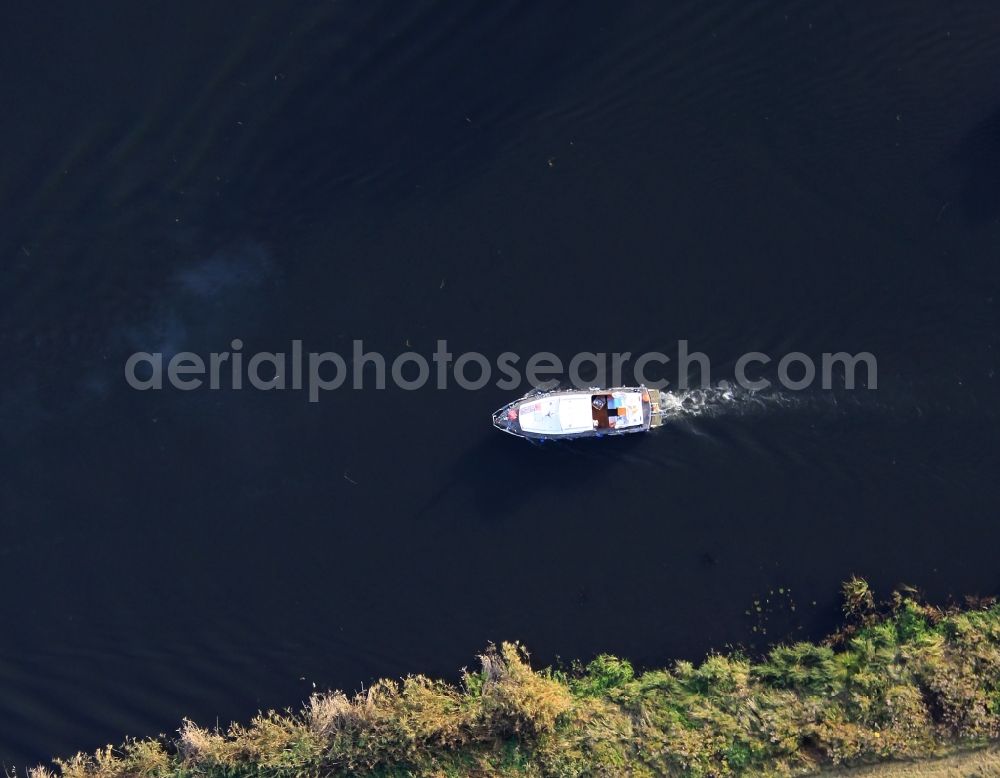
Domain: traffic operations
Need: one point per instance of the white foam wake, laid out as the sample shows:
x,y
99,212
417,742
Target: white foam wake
x,y
726,399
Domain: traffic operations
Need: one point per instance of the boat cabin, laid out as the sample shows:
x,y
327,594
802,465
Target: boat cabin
x,y
577,412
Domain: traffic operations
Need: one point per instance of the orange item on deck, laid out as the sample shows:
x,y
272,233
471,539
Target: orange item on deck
x,y
621,411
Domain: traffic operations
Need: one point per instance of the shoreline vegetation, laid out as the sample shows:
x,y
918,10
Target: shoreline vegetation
x,y
901,680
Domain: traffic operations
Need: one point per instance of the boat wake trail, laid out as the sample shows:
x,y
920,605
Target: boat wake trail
x,y
726,399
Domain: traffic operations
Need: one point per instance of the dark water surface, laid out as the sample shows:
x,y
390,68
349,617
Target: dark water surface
x,y
787,179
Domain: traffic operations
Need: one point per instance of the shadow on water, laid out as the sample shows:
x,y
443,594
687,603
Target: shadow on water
x,y
502,472
979,155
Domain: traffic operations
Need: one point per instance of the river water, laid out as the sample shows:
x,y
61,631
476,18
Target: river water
x,y
562,177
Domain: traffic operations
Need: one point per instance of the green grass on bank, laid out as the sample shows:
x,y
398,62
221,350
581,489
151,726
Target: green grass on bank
x,y
903,680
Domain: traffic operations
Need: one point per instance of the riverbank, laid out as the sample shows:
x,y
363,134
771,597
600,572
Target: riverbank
x,y
900,681
979,763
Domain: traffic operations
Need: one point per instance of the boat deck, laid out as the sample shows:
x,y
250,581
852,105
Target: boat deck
x,y
601,414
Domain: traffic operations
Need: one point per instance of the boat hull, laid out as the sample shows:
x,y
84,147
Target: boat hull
x,y
568,414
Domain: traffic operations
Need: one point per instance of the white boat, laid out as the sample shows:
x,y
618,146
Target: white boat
x,y
588,413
